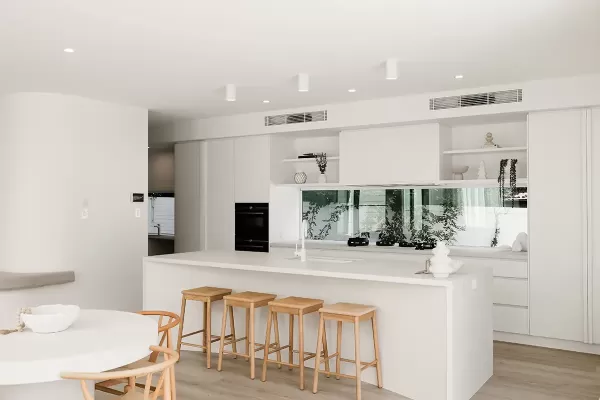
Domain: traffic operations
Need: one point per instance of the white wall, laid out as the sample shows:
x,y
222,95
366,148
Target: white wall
x,y
161,170
548,94
59,154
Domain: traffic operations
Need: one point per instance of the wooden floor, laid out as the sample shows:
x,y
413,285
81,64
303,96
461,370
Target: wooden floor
x,y
520,373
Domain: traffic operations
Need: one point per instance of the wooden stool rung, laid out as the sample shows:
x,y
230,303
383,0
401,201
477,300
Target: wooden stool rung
x,y
367,365
193,333
335,374
200,346
354,361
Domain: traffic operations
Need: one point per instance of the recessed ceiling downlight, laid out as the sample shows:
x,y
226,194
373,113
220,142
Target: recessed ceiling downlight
x,y
69,50
266,101
458,76
352,90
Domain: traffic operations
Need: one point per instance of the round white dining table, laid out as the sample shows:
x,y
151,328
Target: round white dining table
x,y
31,364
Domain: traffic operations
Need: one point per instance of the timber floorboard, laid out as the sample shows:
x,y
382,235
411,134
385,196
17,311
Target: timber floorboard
x,y
520,373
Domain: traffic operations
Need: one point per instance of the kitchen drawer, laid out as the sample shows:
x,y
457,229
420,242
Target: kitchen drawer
x,y
511,319
510,292
501,268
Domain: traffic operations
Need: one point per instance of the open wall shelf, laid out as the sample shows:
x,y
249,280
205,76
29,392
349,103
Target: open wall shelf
x,y
300,160
487,150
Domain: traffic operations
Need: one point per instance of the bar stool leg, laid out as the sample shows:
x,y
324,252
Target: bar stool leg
x,y
301,348
326,353
222,343
338,358
357,355
248,334
376,344
252,352
208,333
277,342
180,335
232,329
291,342
267,343
318,355
204,313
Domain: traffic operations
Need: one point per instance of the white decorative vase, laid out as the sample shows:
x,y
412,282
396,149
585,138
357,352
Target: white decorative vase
x,y
322,178
442,265
300,177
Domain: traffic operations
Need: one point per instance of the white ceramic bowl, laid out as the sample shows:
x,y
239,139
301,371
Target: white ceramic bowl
x,y
51,318
460,169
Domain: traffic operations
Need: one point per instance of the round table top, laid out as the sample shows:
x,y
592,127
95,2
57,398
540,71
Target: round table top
x,y
98,341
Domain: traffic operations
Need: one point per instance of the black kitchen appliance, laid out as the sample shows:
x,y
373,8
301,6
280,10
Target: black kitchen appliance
x,y
252,227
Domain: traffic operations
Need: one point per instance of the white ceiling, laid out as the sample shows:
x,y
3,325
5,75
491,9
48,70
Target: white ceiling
x,y
175,56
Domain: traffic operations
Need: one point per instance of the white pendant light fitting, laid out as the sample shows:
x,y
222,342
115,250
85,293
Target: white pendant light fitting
x,y
230,92
391,69
303,83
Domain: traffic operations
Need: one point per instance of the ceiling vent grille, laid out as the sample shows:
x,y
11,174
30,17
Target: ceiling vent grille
x,y
296,118
477,99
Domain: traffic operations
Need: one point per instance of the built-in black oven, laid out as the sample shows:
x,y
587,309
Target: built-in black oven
x,y
252,227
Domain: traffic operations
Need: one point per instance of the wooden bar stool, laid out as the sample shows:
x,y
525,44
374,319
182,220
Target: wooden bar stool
x,y
299,306
207,295
250,301
346,312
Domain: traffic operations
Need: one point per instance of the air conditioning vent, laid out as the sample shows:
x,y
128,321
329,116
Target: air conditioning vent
x,y
477,99
296,118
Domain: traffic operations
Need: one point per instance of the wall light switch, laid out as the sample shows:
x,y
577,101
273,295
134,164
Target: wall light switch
x,y
138,213
474,284
84,213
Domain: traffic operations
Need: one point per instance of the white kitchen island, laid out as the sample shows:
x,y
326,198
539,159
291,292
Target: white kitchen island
x,y
435,334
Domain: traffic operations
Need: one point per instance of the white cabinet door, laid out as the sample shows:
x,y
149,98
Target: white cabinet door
x,y
220,202
556,224
400,154
252,169
188,217
594,242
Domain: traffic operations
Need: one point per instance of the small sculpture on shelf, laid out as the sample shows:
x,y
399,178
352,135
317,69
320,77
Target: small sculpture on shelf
x,y
489,141
322,164
481,173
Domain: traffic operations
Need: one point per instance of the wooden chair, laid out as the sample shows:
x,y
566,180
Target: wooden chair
x,y
300,307
354,313
166,321
163,388
250,301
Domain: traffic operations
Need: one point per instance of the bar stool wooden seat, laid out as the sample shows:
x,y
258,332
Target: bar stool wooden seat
x,y
206,295
250,301
355,313
299,306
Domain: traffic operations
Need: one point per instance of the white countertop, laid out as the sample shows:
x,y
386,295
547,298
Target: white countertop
x,y
281,261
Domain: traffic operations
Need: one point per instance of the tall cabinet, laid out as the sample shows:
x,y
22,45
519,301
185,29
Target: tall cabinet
x,y
593,126
220,203
557,224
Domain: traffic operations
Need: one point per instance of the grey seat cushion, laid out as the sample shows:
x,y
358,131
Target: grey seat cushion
x,y
15,280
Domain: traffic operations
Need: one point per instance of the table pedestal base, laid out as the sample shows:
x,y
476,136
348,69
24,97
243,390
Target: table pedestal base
x,y
59,390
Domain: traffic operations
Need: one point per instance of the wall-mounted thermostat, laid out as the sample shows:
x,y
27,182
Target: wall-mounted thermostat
x,y
137,197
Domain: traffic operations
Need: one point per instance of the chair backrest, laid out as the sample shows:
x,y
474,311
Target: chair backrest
x,y
163,387
164,328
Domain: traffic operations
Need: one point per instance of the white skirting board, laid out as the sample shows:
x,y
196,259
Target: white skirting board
x,y
547,342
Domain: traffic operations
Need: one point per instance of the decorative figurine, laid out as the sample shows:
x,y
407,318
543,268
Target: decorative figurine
x,y
489,141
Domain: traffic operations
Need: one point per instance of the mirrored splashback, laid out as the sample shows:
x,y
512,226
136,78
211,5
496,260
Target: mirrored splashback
x,y
484,217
